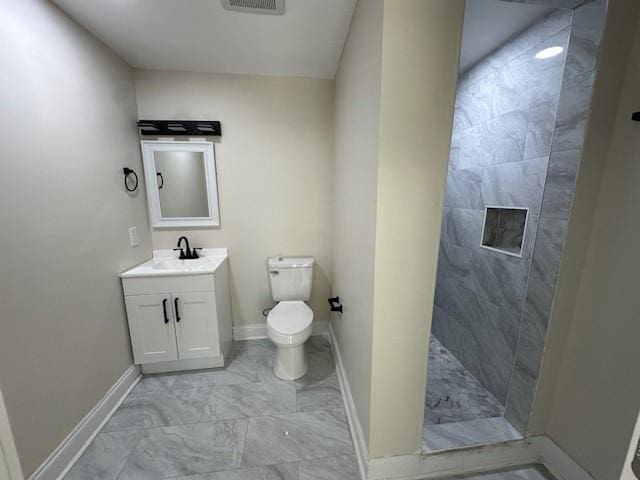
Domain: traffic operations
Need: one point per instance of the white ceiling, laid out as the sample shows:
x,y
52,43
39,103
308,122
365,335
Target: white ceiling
x,y
490,23
199,35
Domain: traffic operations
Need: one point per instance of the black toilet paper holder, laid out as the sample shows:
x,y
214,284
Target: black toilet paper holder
x,y
334,303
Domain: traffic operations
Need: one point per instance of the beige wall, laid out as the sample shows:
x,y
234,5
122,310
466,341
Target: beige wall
x,y
357,111
627,472
395,90
274,166
68,127
588,394
420,51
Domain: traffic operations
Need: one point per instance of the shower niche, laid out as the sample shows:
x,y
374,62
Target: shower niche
x,y
504,229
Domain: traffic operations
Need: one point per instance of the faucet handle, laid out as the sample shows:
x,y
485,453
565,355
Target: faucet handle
x,y
181,257
194,251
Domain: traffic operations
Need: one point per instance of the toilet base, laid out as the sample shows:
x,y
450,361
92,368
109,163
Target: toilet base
x,y
291,362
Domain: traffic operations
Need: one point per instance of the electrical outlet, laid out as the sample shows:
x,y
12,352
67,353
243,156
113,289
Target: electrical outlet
x,y
133,236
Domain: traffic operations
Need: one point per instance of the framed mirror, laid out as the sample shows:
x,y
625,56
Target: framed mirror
x,y
181,183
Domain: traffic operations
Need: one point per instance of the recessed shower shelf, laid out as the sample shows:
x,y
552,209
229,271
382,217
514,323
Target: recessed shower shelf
x,y
504,230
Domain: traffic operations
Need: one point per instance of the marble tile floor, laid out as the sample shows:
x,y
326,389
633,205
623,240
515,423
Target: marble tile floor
x,y
459,411
453,393
237,423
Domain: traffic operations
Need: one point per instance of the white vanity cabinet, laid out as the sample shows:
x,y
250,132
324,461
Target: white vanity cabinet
x,y
178,320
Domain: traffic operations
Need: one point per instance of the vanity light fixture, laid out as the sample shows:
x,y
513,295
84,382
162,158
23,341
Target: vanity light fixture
x,y
549,52
156,128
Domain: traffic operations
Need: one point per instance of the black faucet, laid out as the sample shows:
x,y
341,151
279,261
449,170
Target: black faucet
x,y
187,253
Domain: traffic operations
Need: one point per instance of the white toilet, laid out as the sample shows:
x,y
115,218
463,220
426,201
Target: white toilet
x,y
289,322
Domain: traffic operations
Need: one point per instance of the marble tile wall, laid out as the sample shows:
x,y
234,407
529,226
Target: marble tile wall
x,y
564,162
504,121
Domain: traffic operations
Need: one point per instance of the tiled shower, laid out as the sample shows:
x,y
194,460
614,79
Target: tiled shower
x,y
520,118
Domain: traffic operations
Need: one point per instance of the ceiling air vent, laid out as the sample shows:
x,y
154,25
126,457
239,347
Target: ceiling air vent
x,y
265,7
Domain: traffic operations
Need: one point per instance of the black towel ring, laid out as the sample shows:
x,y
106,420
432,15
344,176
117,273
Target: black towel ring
x,y
127,172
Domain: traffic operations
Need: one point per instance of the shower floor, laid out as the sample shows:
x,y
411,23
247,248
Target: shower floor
x,y
453,393
459,410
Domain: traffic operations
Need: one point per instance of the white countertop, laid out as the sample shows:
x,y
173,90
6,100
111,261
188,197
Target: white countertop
x,y
166,263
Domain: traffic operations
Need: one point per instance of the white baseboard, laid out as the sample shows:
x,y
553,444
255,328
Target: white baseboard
x,y
468,460
350,408
259,330
448,463
250,332
557,461
65,455
10,467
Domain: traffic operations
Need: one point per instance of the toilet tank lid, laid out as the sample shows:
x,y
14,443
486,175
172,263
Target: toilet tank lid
x,y
290,262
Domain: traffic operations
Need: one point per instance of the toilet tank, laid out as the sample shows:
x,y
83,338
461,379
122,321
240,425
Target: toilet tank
x,y
290,278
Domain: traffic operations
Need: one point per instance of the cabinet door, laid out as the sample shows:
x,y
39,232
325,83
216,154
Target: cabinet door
x,y
196,325
153,335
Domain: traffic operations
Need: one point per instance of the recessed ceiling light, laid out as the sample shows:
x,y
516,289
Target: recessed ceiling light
x,y
549,52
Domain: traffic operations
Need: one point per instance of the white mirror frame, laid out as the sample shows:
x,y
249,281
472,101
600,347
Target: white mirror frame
x,y
151,182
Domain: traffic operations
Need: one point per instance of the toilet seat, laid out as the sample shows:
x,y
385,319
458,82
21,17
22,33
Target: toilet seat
x,y
289,322
289,326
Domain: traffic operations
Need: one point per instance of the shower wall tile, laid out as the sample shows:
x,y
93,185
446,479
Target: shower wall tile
x,y
498,279
515,89
591,14
573,110
560,183
462,227
464,189
485,343
520,399
454,261
544,267
540,290
473,104
500,140
542,118
529,237
505,112
497,186
566,150
583,48
535,319
531,345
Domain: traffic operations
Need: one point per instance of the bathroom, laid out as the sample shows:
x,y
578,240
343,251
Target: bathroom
x,y
318,240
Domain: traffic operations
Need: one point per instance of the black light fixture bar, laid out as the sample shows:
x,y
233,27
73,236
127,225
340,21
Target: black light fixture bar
x,y
179,127
635,116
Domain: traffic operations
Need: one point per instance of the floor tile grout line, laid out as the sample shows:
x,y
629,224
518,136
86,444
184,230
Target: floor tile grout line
x,y
272,415
170,389
142,435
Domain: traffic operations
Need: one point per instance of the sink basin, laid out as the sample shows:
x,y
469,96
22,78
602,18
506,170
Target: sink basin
x,y
165,262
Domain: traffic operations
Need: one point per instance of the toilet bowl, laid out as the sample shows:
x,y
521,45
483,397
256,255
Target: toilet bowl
x,y
289,326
